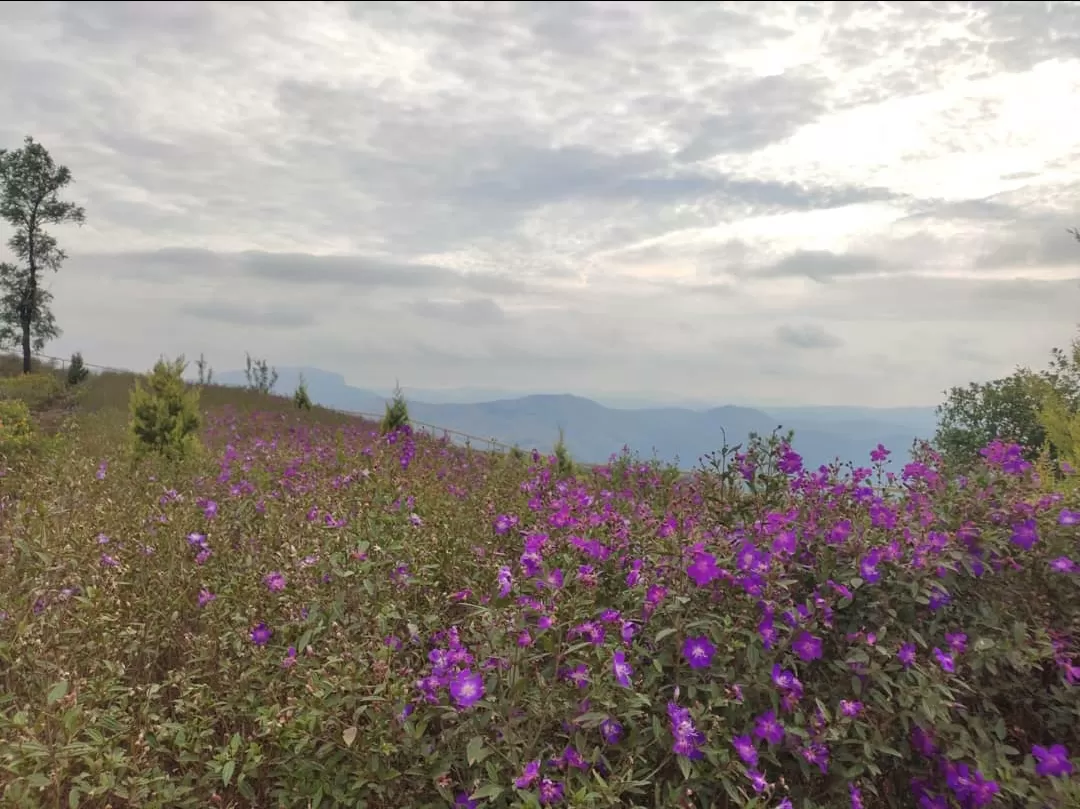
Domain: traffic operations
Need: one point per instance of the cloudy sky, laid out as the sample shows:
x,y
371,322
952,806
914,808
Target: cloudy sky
x,y
825,203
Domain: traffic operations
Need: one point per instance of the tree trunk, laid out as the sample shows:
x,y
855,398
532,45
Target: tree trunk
x,y
25,347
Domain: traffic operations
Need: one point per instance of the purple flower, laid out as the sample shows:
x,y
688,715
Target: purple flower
x,y
462,801
1025,534
744,746
906,654
1069,517
957,641
550,791
1053,761
260,635
621,669
108,561
205,597
275,581
856,796
505,580
698,652
1063,564
579,675
850,707
466,688
528,775
769,728
944,660
807,647
611,731
703,569
757,781
688,739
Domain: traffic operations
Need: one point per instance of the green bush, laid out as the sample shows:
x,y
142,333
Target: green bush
x,y
77,372
397,412
564,463
260,376
38,390
300,397
164,412
16,427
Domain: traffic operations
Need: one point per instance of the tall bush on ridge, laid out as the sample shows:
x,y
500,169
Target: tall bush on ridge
x,y
300,396
164,412
260,376
397,412
77,372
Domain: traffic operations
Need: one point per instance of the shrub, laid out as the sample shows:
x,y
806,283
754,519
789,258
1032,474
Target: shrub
x,y
300,396
164,411
260,376
77,372
38,390
16,427
334,617
564,463
397,412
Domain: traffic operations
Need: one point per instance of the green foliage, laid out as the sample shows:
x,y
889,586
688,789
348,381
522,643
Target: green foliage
x,y
397,413
38,390
130,676
564,463
300,397
77,372
30,186
164,412
260,376
972,416
16,428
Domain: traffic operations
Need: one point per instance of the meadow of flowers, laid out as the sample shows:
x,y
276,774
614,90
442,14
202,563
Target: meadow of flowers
x,y
310,615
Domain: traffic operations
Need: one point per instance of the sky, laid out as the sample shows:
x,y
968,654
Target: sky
x,y
807,203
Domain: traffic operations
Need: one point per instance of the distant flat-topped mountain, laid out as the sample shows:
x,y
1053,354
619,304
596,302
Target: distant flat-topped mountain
x,y
593,431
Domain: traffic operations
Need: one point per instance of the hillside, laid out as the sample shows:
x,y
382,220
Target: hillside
x,y
594,431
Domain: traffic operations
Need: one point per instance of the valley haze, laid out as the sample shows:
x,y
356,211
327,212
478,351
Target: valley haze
x,y
594,430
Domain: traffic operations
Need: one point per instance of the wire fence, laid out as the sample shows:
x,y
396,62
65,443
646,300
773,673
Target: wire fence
x,y
435,430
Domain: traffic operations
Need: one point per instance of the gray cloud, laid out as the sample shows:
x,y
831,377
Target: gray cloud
x,y
180,265
614,191
811,336
237,314
756,113
474,312
822,265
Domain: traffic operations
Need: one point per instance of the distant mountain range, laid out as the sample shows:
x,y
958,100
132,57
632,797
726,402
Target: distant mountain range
x,y
594,430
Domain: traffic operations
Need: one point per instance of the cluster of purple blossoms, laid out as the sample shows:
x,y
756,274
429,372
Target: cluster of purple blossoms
x,y
687,738
451,670
969,787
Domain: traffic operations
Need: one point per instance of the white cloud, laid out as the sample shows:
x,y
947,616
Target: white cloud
x,y
840,202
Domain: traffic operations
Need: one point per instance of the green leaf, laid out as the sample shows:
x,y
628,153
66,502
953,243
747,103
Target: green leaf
x,y
73,798
349,736
227,772
486,791
474,749
684,767
663,633
57,692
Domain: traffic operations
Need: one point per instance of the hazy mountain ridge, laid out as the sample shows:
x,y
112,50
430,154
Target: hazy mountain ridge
x,y
594,431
